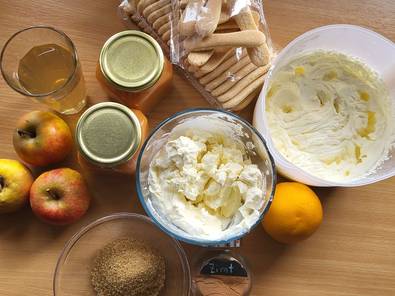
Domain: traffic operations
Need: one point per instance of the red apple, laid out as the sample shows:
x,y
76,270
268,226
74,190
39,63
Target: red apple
x,y
42,138
60,196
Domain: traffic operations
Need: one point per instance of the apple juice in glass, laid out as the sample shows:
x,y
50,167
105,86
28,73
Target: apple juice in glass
x,y
41,63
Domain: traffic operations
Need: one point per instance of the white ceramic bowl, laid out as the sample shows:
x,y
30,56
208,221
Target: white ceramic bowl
x,y
373,49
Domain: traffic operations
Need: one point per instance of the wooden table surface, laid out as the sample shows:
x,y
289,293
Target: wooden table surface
x,y
353,253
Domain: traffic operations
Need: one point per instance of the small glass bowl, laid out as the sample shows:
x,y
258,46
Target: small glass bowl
x,y
256,150
72,274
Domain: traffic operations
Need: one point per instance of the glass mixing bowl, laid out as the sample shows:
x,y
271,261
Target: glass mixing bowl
x,y
253,143
72,274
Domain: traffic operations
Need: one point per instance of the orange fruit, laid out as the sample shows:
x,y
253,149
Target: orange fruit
x,y
294,214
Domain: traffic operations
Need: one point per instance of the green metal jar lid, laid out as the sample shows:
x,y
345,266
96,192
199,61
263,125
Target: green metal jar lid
x,y
108,134
131,60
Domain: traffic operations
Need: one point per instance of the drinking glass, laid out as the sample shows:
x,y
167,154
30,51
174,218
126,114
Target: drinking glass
x,y
55,68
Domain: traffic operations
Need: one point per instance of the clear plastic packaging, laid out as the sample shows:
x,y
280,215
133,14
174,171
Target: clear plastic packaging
x,y
222,46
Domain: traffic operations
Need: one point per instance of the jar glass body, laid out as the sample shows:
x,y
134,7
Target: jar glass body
x,y
127,167
144,100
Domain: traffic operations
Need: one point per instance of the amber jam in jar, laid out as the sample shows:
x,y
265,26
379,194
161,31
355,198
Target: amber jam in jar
x,y
109,137
133,70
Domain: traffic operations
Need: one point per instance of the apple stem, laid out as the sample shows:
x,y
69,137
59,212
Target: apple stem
x,y
1,183
53,194
25,134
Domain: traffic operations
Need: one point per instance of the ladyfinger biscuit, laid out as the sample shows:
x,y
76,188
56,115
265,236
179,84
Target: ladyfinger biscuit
x,y
134,4
242,94
222,67
142,4
208,18
224,16
154,6
192,69
189,17
238,76
242,83
199,58
251,97
183,3
187,28
228,73
232,25
158,13
164,28
229,25
259,55
161,21
176,38
166,36
248,38
216,59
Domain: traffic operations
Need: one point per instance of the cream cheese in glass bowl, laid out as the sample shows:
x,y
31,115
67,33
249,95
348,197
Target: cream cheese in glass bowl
x,y
205,176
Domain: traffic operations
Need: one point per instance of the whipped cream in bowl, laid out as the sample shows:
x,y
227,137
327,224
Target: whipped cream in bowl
x,y
330,115
205,176
327,108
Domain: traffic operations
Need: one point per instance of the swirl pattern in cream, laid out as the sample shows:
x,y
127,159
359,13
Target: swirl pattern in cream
x,y
330,115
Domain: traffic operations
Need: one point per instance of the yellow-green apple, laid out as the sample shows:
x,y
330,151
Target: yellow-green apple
x,y
60,196
15,183
42,138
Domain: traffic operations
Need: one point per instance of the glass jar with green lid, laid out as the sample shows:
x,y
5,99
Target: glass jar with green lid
x,y
133,70
109,136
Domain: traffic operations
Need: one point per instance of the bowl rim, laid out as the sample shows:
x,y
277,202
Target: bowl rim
x,y
200,242
313,180
117,216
